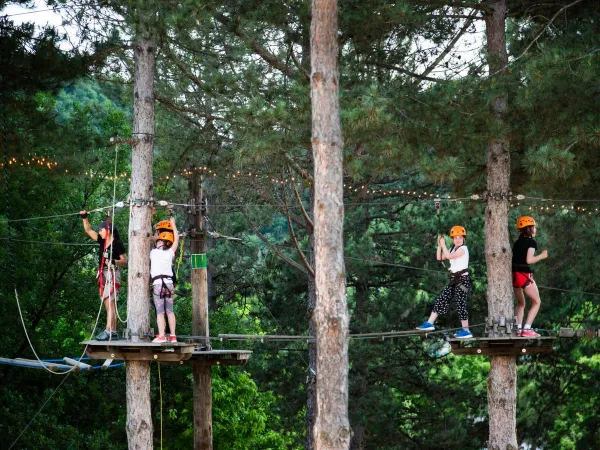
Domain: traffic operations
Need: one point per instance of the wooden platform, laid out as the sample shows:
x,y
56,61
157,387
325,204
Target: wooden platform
x,y
139,351
502,346
218,358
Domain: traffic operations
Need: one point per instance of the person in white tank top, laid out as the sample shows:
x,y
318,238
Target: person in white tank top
x,y
161,271
460,282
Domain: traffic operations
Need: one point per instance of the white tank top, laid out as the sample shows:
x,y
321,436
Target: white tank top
x,y
460,263
160,263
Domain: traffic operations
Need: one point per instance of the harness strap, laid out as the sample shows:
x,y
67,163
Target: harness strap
x,y
457,277
163,288
460,273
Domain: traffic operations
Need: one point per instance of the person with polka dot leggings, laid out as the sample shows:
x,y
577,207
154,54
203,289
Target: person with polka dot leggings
x,y
460,282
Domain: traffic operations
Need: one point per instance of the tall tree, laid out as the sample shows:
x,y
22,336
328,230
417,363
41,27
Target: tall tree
x,y
332,428
502,382
139,420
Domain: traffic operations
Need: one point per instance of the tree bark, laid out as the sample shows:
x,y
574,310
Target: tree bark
x,y
332,429
311,388
202,374
502,382
139,419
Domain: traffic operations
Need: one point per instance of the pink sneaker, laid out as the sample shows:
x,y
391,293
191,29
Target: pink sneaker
x,y
172,338
529,333
159,339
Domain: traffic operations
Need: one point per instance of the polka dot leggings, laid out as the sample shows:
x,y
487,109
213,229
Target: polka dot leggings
x,y
455,293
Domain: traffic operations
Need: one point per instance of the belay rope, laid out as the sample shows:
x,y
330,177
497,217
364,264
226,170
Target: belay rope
x,y
112,230
440,231
11,255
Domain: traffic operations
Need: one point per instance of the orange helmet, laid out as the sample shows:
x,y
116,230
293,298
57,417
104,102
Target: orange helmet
x,y
525,221
457,230
164,225
167,237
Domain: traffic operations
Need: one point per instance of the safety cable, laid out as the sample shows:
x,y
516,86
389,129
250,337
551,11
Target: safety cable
x,y
80,244
164,203
355,336
57,216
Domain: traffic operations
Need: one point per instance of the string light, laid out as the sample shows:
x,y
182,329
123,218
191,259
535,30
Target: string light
x,y
49,164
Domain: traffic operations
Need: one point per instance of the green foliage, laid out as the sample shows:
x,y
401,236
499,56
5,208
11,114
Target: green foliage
x,y
233,90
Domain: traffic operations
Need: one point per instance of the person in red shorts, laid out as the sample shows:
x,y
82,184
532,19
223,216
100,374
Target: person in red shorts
x,y
522,275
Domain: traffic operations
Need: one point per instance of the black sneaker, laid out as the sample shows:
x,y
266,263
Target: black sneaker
x,y
104,336
114,336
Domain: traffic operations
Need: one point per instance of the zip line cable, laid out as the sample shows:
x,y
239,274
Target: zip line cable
x,y
261,338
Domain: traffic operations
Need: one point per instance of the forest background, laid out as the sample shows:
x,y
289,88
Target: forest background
x,y
233,106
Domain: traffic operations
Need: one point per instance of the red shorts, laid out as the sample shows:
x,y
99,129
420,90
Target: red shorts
x,y
522,279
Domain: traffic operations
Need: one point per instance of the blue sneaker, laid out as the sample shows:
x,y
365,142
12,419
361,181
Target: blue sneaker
x,y
463,334
426,327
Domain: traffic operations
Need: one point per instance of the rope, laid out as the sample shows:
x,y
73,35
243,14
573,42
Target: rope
x,y
112,224
31,345
356,336
180,257
161,405
445,272
19,363
39,411
49,243
55,216
10,248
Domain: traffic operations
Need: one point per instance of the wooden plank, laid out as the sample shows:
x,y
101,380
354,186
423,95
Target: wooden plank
x,y
504,338
34,363
78,364
219,358
106,364
126,343
98,353
500,351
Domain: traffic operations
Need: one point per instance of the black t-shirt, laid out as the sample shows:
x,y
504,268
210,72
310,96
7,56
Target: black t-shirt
x,y
118,249
519,257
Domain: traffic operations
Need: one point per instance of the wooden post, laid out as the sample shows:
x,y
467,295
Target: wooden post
x,y
139,417
202,373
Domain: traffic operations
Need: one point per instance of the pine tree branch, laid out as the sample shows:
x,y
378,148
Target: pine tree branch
x,y
304,213
299,65
409,73
299,170
186,109
452,43
295,218
183,69
535,39
305,262
258,49
285,258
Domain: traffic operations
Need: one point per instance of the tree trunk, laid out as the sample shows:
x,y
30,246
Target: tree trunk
x,y
139,419
332,429
311,390
502,383
202,374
